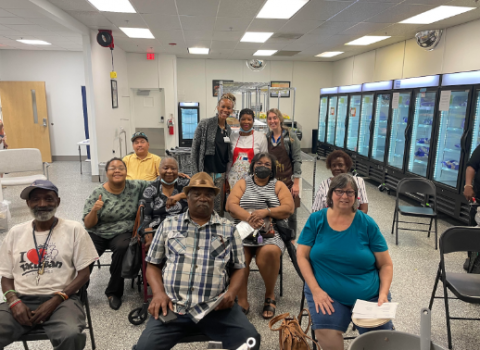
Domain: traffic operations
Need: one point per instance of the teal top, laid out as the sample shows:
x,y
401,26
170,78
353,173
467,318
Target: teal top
x,y
343,262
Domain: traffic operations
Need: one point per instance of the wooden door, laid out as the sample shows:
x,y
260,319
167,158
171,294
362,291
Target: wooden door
x,y
25,115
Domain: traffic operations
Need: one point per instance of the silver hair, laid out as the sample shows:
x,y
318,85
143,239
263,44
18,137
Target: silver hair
x,y
341,181
167,158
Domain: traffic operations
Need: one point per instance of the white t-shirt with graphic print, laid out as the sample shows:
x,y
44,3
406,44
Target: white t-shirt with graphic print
x,y
70,249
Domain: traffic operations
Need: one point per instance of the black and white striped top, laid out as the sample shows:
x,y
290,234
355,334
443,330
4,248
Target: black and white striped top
x,y
321,196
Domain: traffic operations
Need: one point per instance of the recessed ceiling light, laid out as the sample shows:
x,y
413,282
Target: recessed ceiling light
x,y
264,52
367,40
113,6
255,37
198,50
33,42
143,33
282,9
329,54
437,14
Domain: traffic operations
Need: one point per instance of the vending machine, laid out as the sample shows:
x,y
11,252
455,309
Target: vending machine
x,y
188,118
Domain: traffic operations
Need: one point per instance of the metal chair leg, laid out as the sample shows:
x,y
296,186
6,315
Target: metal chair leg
x,y
90,327
447,313
396,228
25,346
436,233
393,223
432,298
281,277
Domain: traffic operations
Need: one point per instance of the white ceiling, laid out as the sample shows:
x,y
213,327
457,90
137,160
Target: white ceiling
x,y
324,25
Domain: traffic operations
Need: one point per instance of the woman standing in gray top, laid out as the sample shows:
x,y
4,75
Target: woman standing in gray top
x,y
211,147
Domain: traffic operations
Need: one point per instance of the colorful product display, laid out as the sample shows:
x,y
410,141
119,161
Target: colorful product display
x,y
422,152
451,164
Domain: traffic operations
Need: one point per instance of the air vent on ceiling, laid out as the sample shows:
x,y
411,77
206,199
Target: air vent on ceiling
x,y
286,53
286,36
143,92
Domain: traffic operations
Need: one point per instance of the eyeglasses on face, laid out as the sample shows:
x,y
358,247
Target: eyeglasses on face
x,y
119,168
340,193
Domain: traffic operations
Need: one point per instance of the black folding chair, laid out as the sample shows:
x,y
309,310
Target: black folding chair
x,y
38,333
465,286
416,185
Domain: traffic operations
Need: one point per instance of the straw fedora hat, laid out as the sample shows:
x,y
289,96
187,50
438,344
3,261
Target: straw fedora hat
x,y
201,180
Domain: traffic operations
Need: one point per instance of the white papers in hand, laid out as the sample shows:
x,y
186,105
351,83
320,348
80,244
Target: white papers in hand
x,y
370,310
244,229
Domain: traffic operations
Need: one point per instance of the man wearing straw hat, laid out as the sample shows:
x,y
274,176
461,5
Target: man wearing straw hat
x,y
195,250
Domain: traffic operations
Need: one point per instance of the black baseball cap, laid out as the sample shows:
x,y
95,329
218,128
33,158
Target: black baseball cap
x,y
43,184
139,134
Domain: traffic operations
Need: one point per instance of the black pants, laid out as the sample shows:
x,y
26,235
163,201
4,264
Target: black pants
x,y
230,326
118,245
64,328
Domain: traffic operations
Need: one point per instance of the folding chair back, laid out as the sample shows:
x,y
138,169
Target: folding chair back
x,y
417,185
460,239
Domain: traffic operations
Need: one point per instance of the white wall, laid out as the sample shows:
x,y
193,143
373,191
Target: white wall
x,y
194,77
63,75
457,51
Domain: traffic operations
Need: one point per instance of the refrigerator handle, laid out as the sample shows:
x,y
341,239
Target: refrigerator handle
x,y
407,129
371,126
464,138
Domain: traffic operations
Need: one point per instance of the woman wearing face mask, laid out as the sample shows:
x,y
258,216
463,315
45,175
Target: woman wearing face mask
x,y
211,147
285,146
163,197
339,163
253,199
244,145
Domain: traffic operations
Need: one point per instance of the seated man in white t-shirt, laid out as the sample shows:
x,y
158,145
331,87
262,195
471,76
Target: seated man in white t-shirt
x,y
43,263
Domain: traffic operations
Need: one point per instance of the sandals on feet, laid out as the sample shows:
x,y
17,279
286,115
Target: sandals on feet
x,y
267,307
245,311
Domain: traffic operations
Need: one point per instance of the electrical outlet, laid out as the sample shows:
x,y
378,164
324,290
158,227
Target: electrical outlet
x,y
162,120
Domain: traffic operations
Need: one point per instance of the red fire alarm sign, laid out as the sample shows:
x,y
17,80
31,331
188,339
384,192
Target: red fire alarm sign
x,y
150,56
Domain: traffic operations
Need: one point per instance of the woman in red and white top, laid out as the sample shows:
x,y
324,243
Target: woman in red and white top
x,y
339,163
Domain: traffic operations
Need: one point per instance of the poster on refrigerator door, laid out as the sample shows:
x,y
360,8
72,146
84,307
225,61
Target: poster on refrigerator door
x,y
444,104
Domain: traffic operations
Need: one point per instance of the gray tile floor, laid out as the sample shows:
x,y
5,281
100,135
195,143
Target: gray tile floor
x,y
415,265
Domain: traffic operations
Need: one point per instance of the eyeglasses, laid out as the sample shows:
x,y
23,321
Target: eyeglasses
x,y
120,168
340,193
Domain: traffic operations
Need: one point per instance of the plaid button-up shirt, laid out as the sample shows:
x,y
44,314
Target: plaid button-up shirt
x,y
196,260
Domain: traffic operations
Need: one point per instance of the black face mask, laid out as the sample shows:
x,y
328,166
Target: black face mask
x,y
262,172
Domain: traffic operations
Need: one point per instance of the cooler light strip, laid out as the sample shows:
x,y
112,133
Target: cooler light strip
x,y
476,127
413,142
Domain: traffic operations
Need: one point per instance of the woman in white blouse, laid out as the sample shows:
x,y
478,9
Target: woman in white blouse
x,y
244,143
339,163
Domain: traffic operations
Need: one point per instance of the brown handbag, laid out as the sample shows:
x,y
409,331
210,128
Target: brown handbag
x,y
292,336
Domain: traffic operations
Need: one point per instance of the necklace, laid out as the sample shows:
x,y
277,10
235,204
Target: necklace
x,y
41,252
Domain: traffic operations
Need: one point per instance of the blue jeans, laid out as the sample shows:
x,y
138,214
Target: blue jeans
x,y
341,318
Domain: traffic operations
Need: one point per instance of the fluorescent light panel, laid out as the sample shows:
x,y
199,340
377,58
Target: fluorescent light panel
x,y
33,42
431,80
198,50
464,78
256,37
113,6
264,52
380,85
437,14
367,40
329,54
142,33
350,88
282,9
326,91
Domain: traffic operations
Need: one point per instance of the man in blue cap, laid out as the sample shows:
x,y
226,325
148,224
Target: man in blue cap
x,y
43,264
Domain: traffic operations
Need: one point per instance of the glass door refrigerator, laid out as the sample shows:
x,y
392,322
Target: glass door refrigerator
x,y
331,119
353,122
323,110
366,112
340,129
380,127
188,119
401,124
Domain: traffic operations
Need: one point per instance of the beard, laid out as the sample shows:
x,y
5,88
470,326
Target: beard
x,y
43,214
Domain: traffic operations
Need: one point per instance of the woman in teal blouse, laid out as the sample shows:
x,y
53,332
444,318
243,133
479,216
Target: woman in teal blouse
x,y
343,257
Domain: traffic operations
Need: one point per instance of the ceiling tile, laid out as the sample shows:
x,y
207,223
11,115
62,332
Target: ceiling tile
x,y
164,7
399,13
240,8
71,5
231,24
173,36
361,11
91,19
279,45
136,45
174,50
207,8
26,13
61,30
160,22
4,13
13,20
429,2
198,35
248,46
220,53
321,10
399,29
453,21
40,21
365,28
29,28
266,25
243,54
130,20
299,26
198,43
227,36
331,28
386,1
197,23
223,44
296,46
17,4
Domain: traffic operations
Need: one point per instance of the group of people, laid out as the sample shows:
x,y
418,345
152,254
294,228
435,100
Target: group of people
x,y
197,262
